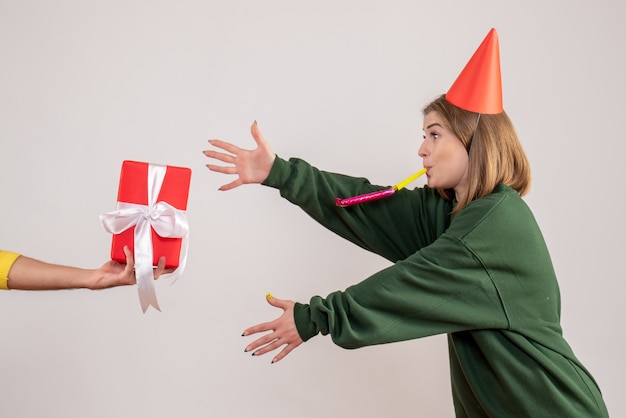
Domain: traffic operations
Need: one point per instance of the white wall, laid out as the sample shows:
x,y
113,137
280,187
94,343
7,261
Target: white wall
x,y
87,84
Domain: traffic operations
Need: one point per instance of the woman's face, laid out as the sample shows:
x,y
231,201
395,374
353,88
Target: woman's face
x,y
444,155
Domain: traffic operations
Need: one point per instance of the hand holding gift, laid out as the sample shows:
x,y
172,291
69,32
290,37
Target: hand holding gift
x,y
113,273
150,218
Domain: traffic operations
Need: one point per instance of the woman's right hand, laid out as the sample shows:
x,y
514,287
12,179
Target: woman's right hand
x,y
251,166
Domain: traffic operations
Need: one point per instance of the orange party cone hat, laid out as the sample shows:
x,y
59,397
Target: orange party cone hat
x,y
479,86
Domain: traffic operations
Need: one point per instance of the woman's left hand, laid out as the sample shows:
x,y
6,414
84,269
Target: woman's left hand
x,y
283,332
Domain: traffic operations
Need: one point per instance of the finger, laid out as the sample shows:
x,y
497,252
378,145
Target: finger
x,y
129,255
221,169
266,326
267,339
160,268
283,353
227,158
275,302
226,146
274,345
256,134
130,261
231,185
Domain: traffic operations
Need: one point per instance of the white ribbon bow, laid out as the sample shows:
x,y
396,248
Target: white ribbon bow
x,y
167,222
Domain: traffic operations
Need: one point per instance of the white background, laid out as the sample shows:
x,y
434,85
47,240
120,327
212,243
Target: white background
x,y
87,84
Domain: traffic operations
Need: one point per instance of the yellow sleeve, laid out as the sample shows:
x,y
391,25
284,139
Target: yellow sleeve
x,y
7,258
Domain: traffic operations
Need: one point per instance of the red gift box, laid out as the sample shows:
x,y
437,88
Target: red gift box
x,y
133,188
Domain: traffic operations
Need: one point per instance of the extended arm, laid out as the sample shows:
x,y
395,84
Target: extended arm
x,y
443,288
394,228
31,274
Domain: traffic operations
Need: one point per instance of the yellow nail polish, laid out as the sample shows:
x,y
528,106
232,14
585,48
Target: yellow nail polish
x,y
268,295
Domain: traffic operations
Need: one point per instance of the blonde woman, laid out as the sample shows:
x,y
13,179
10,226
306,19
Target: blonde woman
x,y
469,260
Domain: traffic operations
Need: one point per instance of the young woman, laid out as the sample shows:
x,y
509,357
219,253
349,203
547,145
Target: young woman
x,y
468,260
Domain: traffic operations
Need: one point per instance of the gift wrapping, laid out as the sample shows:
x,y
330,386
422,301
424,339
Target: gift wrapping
x,y
150,219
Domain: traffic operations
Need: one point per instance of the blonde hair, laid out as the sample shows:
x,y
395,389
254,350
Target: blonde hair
x,y
495,153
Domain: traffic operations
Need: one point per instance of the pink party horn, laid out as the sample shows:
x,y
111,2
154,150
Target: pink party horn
x,y
350,201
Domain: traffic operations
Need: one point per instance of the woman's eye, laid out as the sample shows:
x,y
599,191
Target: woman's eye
x,y
434,135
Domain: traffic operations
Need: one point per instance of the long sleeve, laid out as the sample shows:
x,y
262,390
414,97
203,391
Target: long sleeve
x,y
440,289
394,227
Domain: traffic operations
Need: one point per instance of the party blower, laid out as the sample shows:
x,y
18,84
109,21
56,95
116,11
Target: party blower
x,y
350,201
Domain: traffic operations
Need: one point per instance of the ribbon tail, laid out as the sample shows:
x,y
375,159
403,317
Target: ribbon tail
x,y
146,289
143,266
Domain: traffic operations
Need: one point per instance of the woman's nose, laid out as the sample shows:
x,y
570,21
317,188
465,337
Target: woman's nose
x,y
423,151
